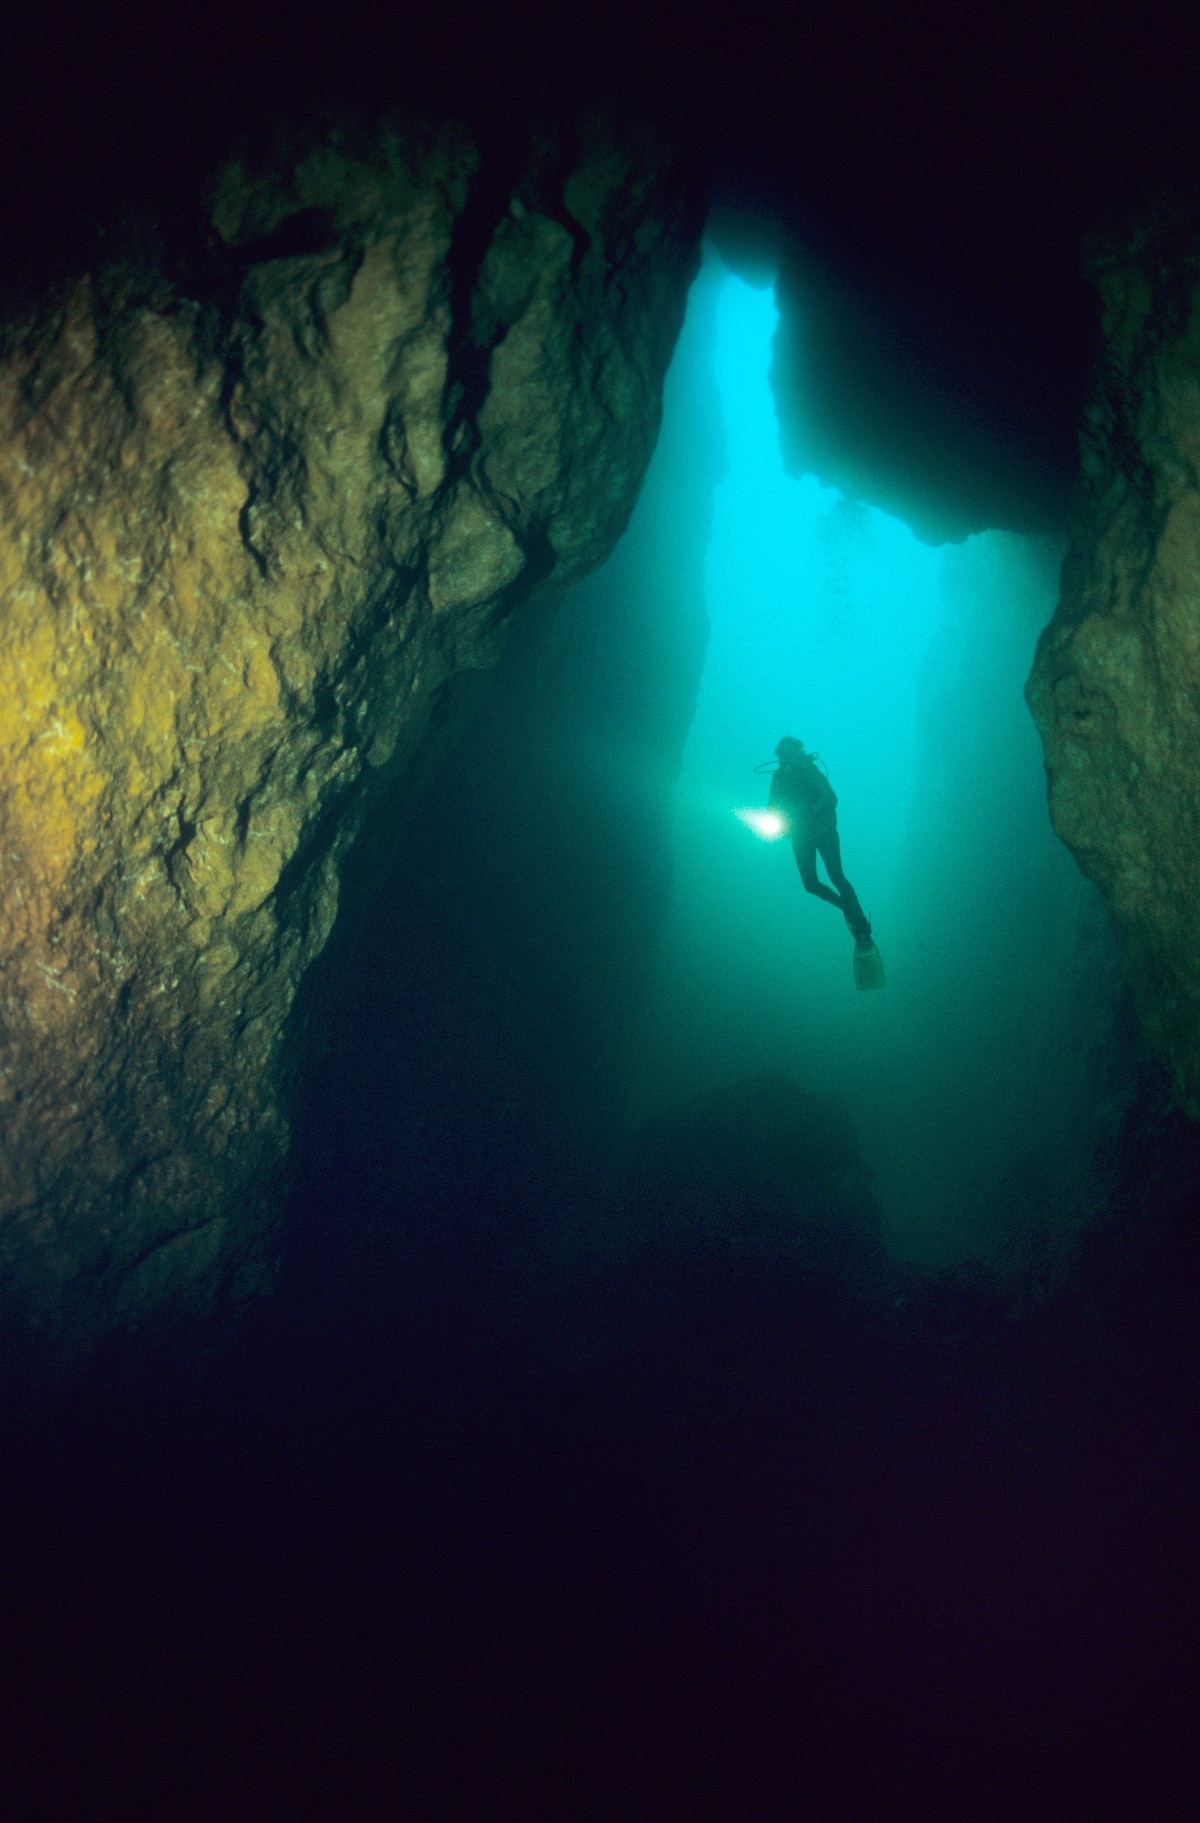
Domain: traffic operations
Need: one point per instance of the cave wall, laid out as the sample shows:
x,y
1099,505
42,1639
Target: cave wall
x,y
1115,688
258,506
481,1004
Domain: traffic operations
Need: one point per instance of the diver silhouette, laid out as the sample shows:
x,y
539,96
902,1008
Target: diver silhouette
x,y
802,795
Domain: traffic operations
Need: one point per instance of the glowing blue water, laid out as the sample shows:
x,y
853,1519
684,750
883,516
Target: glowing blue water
x,y
821,614
902,666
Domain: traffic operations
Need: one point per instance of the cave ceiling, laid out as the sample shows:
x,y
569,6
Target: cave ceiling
x,y
921,178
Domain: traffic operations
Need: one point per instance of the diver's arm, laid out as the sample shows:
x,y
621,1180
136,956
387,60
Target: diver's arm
x,y
779,800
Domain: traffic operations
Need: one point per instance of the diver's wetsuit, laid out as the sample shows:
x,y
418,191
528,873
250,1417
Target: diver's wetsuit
x,y
805,798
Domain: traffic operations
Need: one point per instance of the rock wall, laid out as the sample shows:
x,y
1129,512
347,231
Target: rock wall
x,y
1115,688
257,506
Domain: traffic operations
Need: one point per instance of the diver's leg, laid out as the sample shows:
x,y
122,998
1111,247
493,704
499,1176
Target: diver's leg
x,y
805,851
830,848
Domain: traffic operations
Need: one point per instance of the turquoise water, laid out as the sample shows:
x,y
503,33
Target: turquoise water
x,y
971,1076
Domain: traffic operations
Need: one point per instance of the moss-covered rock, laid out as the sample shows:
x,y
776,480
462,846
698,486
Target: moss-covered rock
x,y
1115,688
256,507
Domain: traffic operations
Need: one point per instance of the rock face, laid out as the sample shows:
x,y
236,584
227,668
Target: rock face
x,y
1115,688
254,513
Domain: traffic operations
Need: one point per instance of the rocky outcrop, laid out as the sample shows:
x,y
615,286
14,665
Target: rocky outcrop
x,y
1115,688
256,508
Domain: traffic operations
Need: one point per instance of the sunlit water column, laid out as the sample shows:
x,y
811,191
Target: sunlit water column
x,y
902,666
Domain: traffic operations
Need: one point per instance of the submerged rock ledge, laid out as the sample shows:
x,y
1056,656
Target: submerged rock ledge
x,y
1115,688
255,512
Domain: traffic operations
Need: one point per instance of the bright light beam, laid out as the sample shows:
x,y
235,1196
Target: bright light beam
x,y
765,823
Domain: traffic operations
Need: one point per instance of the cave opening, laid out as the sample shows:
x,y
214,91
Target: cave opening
x,y
572,937
643,1278
640,1365
974,1078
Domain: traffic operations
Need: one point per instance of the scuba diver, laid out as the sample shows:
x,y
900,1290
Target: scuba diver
x,y
803,797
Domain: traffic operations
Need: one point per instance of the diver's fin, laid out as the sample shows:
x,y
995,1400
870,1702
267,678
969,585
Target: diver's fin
x,y
868,967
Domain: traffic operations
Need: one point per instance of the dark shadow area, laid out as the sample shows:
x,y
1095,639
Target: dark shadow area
x,y
726,1522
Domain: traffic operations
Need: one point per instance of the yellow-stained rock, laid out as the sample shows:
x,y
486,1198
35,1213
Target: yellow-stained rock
x,y
247,529
1115,688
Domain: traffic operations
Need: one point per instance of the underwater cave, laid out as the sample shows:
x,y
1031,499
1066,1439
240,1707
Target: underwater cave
x,y
493,1322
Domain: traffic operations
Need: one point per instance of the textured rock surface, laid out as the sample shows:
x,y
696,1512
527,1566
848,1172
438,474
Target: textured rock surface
x,y
1116,685
253,514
